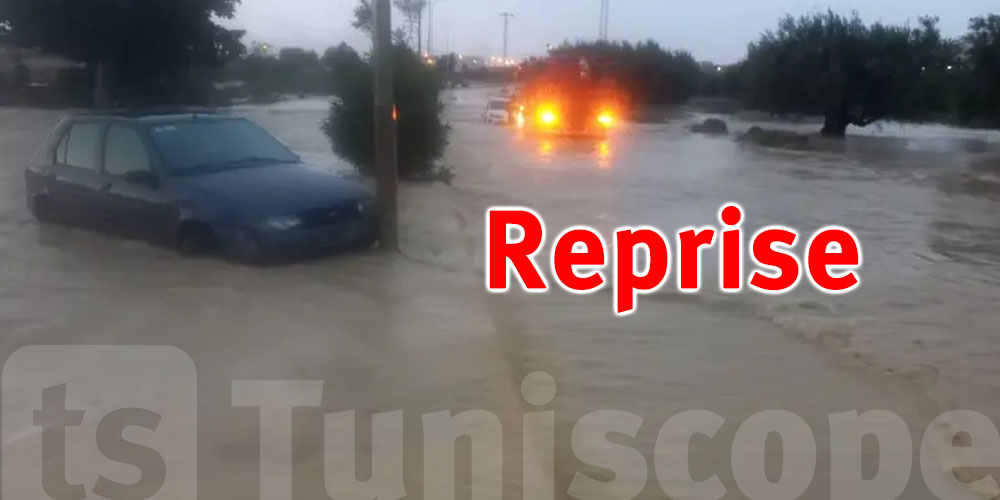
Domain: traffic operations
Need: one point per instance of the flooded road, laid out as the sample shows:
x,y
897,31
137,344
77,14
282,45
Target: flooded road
x,y
417,332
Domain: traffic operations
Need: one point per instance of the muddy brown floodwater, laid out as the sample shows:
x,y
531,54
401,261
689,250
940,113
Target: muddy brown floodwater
x,y
417,332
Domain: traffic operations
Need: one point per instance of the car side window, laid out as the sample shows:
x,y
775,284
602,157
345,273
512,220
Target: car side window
x,y
81,145
124,152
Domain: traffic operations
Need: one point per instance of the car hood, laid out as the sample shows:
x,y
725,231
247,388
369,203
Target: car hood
x,y
275,189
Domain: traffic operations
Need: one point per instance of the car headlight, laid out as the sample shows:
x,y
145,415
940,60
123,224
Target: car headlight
x,y
282,222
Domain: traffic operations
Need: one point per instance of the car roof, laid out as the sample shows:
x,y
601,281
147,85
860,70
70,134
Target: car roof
x,y
157,115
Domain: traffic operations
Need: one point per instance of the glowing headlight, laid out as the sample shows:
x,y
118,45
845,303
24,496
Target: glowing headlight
x,y
548,117
282,222
606,119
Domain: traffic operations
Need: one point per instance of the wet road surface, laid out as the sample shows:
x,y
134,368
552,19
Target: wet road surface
x,y
417,331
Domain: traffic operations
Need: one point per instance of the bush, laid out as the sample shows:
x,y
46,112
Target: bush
x,y
421,135
651,74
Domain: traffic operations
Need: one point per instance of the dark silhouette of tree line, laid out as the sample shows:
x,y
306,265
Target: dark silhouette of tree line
x,y
651,74
853,73
133,50
827,64
830,65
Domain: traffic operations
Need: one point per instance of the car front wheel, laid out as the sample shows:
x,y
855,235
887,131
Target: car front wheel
x,y
245,249
196,239
42,209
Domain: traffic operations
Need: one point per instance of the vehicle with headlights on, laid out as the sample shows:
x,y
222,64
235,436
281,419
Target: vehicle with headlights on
x,y
198,182
563,96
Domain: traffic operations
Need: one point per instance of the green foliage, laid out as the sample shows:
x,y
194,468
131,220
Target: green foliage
x,y
413,11
364,21
980,103
364,17
652,75
293,71
716,81
422,137
140,44
849,72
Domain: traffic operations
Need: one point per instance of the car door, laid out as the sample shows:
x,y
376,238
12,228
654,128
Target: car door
x,y
136,196
75,182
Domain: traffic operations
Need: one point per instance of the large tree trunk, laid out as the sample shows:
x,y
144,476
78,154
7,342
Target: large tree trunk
x,y
835,124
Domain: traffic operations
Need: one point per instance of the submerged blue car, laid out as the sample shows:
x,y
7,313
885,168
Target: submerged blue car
x,y
198,182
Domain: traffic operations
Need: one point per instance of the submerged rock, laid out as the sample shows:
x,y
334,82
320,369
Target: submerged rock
x,y
712,126
776,138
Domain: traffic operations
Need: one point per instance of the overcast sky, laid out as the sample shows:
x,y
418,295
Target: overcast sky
x,y
715,30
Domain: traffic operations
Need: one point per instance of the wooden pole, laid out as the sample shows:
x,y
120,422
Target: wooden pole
x,y
386,159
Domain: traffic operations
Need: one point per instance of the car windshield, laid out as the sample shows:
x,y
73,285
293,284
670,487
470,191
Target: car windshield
x,y
199,146
499,105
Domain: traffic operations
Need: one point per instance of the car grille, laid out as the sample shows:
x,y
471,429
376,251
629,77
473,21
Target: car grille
x,y
330,215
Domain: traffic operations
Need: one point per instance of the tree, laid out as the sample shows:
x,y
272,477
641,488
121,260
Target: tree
x,y
364,20
651,74
350,124
981,96
413,12
364,17
139,46
301,70
850,73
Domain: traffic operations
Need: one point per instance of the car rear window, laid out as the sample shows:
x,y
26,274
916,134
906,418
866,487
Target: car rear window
x,y
81,146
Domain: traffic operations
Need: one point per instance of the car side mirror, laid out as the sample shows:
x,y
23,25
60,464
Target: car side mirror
x,y
143,178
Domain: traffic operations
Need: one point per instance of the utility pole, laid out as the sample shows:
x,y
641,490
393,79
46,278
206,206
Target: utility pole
x,y
506,26
420,34
430,27
605,14
386,169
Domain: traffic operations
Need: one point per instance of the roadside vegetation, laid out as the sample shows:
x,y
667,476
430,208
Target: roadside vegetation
x,y
131,51
821,64
422,135
350,126
850,73
651,74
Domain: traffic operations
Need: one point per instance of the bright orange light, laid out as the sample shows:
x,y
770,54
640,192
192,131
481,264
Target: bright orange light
x,y
604,155
548,116
606,119
604,150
